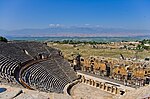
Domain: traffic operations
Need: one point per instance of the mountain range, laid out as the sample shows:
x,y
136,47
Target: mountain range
x,y
75,31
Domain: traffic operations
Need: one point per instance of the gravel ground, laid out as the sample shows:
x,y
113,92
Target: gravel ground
x,y
140,93
83,91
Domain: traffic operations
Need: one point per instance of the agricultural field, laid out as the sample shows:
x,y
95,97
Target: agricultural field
x,y
86,50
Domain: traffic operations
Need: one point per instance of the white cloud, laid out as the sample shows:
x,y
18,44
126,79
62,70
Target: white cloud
x,y
51,25
55,25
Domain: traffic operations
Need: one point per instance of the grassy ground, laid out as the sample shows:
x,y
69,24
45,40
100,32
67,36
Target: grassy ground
x,y
86,51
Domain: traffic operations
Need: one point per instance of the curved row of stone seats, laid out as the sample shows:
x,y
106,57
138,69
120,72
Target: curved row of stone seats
x,y
33,48
7,68
53,52
25,51
11,51
42,79
53,67
62,84
37,79
66,68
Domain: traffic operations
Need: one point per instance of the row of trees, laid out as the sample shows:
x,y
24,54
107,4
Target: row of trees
x,y
145,41
79,42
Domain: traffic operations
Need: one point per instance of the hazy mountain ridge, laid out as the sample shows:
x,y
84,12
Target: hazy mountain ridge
x,y
75,31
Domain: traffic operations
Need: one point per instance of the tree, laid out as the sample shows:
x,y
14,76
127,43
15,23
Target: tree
x,y
3,39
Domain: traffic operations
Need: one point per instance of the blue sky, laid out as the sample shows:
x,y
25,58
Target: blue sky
x,y
19,14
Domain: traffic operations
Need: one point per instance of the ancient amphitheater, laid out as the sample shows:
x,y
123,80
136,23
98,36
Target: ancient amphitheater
x,y
32,70
34,66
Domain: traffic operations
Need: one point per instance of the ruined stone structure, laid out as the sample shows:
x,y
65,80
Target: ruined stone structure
x,y
102,84
127,71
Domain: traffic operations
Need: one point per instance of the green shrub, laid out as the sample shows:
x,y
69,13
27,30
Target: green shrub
x,y
3,39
